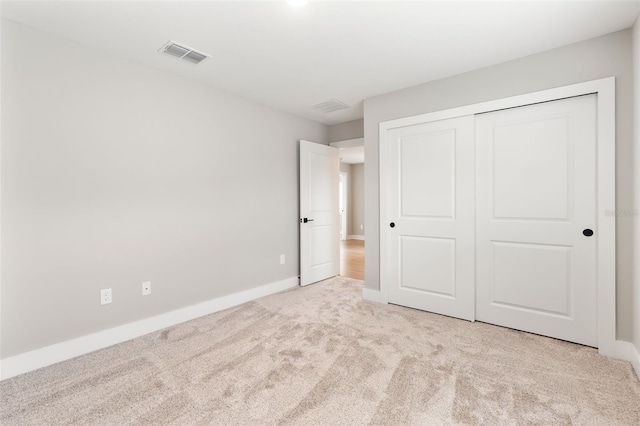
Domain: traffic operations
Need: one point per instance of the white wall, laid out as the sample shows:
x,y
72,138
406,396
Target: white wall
x,y
114,174
357,199
345,131
636,147
601,57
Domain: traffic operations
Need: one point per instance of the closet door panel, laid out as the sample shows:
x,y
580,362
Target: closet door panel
x,y
431,203
536,192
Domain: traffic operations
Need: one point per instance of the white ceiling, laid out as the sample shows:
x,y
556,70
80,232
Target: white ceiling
x,y
291,58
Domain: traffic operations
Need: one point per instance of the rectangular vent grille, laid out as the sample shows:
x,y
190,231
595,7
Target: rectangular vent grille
x,y
183,52
330,106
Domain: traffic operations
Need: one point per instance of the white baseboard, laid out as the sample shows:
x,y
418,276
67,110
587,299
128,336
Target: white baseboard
x,y
635,361
620,349
58,352
355,237
373,296
627,351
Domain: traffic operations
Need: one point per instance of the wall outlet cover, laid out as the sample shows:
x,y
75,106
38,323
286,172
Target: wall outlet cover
x,y
146,288
105,296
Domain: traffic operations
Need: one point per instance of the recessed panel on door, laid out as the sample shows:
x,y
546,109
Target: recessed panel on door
x,y
320,243
320,190
427,167
531,169
428,265
533,277
536,189
430,239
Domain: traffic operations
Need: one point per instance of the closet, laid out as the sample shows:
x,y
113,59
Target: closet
x,y
493,217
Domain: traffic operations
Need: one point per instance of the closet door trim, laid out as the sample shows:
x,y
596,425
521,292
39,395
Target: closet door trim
x,y
604,88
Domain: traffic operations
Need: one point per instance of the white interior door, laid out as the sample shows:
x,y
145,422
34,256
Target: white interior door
x,y
319,212
430,237
536,192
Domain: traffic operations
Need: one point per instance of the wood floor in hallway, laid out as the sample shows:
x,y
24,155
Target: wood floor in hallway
x,y
352,259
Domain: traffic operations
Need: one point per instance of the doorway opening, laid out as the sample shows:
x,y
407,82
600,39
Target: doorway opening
x,y
352,259
351,208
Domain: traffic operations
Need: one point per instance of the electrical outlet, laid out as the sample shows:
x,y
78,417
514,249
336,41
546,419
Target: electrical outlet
x,y
146,288
105,296
282,259
361,226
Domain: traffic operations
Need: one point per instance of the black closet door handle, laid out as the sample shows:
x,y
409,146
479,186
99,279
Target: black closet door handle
x,y
587,232
393,225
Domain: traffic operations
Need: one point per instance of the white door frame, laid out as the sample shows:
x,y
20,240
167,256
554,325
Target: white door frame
x,y
606,224
344,224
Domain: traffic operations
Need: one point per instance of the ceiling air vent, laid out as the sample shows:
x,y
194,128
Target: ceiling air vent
x,y
330,106
183,52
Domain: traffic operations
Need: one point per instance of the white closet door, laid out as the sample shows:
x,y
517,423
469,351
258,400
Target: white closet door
x,y
536,192
431,212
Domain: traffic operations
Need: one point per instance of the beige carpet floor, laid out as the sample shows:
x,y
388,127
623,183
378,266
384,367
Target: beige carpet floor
x,y
320,355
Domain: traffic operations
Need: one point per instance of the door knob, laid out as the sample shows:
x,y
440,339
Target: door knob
x,y
587,232
305,220
393,225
